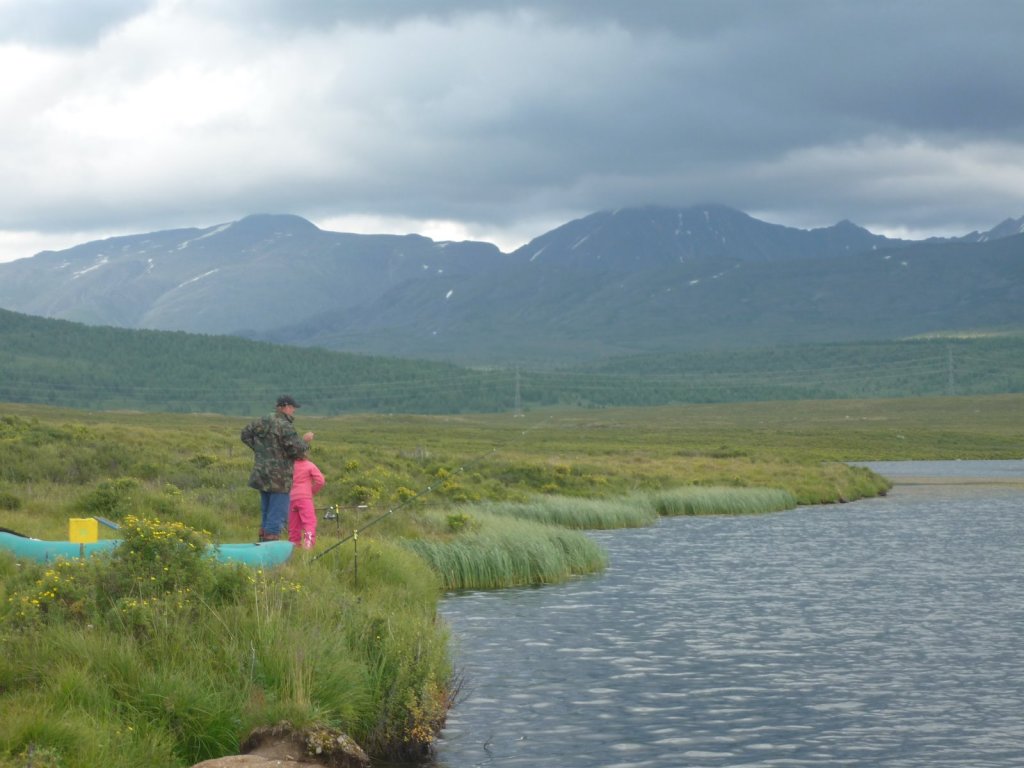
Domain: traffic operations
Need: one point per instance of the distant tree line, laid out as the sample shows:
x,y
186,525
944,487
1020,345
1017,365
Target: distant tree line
x,y
59,363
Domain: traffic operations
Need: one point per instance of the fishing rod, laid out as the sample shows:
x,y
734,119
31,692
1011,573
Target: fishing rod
x,y
354,536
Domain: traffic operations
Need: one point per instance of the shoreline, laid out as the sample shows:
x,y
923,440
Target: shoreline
x,y
966,480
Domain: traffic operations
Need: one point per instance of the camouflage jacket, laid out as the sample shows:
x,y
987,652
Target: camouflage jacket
x,y
276,445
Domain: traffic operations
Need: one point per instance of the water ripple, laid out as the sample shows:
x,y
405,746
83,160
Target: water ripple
x,y
881,633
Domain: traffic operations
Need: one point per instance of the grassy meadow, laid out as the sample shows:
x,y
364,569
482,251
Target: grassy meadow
x,y
160,656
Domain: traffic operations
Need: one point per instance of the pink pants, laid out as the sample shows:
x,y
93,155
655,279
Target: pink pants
x,y
302,523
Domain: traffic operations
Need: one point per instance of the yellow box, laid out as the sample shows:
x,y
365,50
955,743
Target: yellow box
x,y
83,530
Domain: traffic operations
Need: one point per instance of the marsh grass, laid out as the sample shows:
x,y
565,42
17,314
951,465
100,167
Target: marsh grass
x,y
500,551
578,513
695,500
640,508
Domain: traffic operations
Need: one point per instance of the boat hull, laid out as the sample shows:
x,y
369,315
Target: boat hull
x,y
258,555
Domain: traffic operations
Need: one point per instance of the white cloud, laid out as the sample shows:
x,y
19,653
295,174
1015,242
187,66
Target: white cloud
x,y
496,124
439,230
21,244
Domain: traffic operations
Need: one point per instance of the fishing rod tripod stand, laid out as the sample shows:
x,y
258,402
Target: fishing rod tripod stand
x,y
334,512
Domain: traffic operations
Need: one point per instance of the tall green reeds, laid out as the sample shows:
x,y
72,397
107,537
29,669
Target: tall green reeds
x,y
508,544
572,512
497,551
697,500
643,508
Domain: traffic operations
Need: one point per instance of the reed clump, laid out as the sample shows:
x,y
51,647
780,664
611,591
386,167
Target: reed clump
x,y
696,500
498,551
578,513
643,508
506,544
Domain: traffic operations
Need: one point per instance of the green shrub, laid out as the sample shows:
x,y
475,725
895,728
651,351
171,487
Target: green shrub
x,y
203,460
458,521
111,498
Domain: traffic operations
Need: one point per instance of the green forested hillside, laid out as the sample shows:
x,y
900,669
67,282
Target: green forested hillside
x,y
55,362
922,367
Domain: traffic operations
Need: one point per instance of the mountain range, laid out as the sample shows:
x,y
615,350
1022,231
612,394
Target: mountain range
x,y
647,279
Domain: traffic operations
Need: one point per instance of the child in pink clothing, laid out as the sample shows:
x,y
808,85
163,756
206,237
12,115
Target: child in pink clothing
x,y
307,480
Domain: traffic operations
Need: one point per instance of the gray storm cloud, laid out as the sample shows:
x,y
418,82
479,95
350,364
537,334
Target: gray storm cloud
x,y
503,116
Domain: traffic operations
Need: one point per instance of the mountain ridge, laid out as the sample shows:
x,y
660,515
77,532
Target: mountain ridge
x,y
648,278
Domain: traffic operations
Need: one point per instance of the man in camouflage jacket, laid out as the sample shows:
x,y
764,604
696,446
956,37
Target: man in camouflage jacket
x,y
276,445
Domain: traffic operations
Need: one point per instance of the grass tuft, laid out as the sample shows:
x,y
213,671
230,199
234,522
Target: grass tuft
x,y
502,551
571,512
696,500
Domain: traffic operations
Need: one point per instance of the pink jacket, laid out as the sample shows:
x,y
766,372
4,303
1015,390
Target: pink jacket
x,y
307,479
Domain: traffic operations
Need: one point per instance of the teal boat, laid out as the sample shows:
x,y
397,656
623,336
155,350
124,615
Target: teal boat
x,y
263,554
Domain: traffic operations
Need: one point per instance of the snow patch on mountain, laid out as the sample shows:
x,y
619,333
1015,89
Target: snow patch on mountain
x,y
197,278
214,231
211,233
103,260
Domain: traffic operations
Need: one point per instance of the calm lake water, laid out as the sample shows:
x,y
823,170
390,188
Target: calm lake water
x,y
886,632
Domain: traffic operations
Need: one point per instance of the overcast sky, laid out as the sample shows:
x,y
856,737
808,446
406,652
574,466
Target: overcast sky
x,y
498,120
